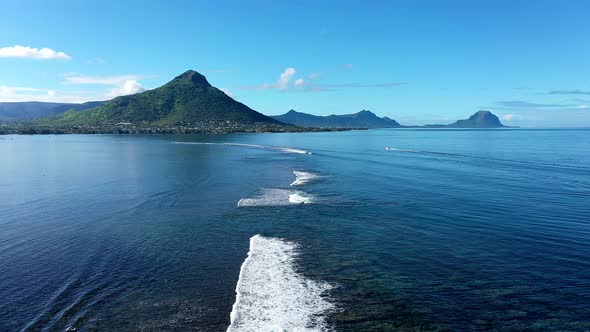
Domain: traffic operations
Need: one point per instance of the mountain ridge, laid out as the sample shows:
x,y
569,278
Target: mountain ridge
x,y
362,119
367,119
29,110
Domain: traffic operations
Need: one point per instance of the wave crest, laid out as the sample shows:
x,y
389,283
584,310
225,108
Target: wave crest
x,y
276,197
272,296
302,178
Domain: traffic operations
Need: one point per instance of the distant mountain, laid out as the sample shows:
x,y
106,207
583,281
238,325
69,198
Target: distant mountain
x,y
34,109
362,119
481,119
188,98
367,119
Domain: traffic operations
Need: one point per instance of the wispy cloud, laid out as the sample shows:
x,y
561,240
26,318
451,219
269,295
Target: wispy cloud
x,y
348,66
299,82
220,70
123,85
127,88
314,76
361,85
20,94
307,82
99,80
517,108
310,84
507,117
526,104
568,92
283,82
19,51
96,61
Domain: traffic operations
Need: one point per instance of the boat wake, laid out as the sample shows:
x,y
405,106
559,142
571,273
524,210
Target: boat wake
x,y
252,146
276,197
388,148
272,296
302,178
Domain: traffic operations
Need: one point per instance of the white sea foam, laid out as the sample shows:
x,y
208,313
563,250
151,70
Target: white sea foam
x,y
252,146
292,150
303,178
276,197
388,148
297,198
272,296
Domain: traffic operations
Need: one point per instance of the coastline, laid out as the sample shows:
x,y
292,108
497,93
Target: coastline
x,y
142,129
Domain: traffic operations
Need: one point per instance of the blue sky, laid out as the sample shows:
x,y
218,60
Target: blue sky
x,y
415,61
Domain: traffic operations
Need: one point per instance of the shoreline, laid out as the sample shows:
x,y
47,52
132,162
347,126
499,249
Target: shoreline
x,y
25,131
146,130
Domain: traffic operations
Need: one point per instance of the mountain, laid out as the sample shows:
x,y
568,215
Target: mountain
x,y
367,119
33,109
187,99
362,119
481,119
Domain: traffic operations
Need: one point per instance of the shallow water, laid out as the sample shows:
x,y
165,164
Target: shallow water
x,y
445,230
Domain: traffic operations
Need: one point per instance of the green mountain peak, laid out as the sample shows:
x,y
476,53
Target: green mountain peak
x,y
193,77
188,98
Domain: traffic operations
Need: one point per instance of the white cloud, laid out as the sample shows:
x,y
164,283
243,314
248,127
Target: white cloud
x,y
124,85
283,83
12,94
507,117
20,94
117,86
285,78
128,87
299,82
348,66
19,51
227,92
99,80
309,83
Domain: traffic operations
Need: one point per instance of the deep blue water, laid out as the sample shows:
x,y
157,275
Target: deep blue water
x,y
446,230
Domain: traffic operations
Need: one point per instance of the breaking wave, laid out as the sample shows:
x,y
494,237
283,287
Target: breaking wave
x,y
276,197
272,296
302,178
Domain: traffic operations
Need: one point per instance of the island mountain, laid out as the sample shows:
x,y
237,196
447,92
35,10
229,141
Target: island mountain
x,y
481,119
362,119
186,101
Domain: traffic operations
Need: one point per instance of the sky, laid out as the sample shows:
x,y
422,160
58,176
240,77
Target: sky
x,y
419,62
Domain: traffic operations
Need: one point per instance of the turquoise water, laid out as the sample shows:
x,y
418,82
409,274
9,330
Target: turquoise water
x,y
445,230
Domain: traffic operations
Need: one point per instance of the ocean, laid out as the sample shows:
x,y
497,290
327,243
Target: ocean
x,y
377,230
